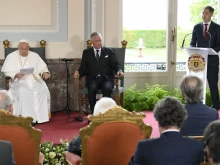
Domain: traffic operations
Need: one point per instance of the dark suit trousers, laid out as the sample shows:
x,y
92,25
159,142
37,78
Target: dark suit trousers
x,y
94,85
212,76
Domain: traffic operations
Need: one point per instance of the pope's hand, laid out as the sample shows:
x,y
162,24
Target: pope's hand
x,y
46,76
76,74
19,75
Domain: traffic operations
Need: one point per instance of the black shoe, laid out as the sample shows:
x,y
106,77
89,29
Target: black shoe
x,y
78,118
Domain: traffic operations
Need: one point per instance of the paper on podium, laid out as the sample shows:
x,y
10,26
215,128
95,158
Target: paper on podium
x,y
27,70
212,52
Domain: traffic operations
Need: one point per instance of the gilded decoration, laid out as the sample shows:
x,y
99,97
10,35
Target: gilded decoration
x,y
6,43
7,119
43,43
116,114
124,44
89,43
196,63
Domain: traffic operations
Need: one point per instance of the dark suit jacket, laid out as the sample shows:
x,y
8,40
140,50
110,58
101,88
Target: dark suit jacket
x,y
108,64
170,149
6,153
198,117
199,41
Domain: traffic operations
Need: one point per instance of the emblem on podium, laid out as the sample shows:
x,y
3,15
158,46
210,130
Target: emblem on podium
x,y
196,63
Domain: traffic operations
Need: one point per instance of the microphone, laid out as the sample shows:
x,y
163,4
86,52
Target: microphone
x,y
66,59
185,38
209,38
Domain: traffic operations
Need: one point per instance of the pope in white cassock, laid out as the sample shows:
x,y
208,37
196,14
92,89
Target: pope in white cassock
x,y
30,93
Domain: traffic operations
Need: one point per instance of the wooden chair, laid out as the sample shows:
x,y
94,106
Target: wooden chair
x,y
200,138
112,137
39,50
24,138
117,91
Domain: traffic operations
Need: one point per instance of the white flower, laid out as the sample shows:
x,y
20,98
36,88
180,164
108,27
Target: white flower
x,y
52,154
47,149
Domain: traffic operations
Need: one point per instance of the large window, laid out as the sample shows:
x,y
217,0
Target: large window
x,y
145,27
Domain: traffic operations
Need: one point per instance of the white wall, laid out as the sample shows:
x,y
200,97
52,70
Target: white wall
x,y
71,49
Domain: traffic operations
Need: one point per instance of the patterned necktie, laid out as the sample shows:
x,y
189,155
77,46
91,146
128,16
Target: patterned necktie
x,y
205,31
97,55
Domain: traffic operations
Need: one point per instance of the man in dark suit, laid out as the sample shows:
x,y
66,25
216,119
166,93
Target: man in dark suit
x,y
170,148
207,35
6,153
99,65
199,115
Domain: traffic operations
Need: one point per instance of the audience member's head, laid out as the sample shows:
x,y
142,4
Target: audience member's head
x,y
192,89
212,142
104,104
23,47
5,101
169,113
96,39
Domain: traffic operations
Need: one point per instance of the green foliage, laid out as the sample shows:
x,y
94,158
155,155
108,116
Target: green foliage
x,y
196,10
53,153
153,38
208,100
139,100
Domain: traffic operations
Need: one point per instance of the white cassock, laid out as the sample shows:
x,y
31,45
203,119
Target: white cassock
x,y
30,93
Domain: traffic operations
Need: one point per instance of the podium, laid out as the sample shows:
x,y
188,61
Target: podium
x,y
196,64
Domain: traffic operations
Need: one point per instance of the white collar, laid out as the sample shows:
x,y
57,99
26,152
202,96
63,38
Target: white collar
x,y
171,130
207,23
96,49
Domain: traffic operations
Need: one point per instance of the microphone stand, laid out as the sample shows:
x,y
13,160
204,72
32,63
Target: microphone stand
x,y
209,38
67,108
184,39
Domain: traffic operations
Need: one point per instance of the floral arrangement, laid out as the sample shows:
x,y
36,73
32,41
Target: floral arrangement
x,y
53,153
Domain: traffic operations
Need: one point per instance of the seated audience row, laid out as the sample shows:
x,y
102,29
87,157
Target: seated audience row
x,y
171,148
174,120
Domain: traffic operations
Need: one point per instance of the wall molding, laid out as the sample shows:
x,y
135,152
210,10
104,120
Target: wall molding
x,y
57,32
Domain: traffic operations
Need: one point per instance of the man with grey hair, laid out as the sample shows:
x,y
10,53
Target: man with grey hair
x,y
198,114
5,101
30,93
99,65
104,104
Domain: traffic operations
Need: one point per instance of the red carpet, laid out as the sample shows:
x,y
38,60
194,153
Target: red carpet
x,y
59,127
